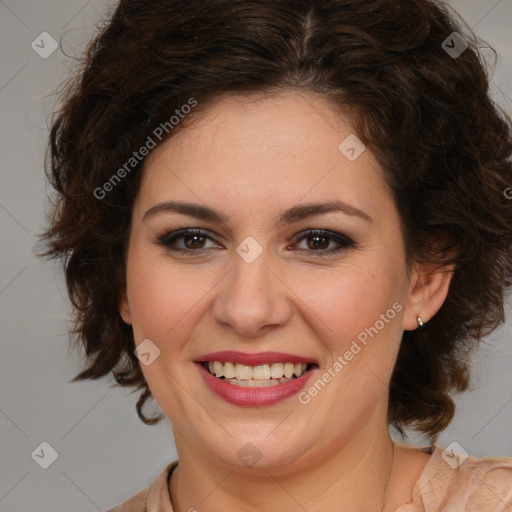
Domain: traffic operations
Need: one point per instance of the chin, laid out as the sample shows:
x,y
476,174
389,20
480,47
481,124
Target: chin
x,y
261,453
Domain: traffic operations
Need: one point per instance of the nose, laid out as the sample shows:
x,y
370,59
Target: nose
x,y
252,298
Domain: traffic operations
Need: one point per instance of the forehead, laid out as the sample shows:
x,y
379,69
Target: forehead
x,y
256,127
246,149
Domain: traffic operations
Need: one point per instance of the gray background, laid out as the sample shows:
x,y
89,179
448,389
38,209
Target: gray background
x,y
105,453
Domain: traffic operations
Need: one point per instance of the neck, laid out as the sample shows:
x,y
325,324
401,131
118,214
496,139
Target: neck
x,y
353,477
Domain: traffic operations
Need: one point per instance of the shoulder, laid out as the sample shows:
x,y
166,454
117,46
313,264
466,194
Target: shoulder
x,y
152,499
136,503
455,482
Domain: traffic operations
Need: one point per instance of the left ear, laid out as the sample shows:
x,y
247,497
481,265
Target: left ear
x,y
124,309
429,287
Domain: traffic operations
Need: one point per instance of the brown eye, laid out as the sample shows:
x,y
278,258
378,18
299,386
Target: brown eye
x,y
189,241
192,240
319,240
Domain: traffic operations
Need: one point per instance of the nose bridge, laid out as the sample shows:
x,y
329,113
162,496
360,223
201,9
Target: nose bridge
x,y
251,297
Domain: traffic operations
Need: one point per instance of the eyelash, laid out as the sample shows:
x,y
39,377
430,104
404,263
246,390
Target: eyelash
x,y
169,238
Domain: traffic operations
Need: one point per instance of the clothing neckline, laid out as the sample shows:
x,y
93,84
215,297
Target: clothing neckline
x,y
434,451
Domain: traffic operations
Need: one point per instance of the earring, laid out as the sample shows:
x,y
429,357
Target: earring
x,y
420,321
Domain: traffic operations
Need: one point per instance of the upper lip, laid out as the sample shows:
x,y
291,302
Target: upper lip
x,y
253,359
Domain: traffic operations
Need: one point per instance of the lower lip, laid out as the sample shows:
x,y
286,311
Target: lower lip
x,y
238,395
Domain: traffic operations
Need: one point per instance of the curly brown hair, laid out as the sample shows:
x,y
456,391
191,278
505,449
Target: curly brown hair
x,y
426,115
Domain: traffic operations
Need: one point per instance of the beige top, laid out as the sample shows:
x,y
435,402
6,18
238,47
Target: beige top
x,y
476,485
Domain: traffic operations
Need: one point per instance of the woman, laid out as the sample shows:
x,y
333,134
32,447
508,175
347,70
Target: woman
x,y
286,222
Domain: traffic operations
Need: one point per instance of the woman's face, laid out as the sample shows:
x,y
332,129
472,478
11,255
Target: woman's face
x,y
252,286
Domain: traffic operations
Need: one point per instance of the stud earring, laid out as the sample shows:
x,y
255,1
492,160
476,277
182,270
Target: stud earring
x,y
420,321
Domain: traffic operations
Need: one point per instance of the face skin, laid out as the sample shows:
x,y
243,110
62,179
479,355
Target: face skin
x,y
252,159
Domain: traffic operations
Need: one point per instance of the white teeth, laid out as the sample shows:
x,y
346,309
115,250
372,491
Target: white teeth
x,y
277,370
229,370
219,369
288,369
263,373
254,383
242,371
258,383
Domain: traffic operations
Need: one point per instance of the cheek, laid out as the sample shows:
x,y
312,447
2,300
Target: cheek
x,y
344,303
159,296
167,300
162,302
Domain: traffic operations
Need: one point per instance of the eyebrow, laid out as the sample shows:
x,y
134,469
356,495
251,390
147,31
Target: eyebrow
x,y
294,214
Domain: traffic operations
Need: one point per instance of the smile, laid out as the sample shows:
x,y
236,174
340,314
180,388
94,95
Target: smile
x,y
259,379
263,375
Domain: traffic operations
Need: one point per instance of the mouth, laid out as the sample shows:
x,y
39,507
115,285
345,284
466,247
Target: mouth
x,y
256,376
255,379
